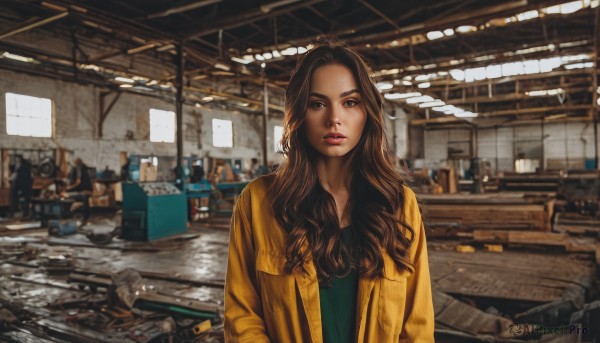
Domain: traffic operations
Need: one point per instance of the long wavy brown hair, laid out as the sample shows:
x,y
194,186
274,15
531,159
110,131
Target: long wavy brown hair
x,y
308,213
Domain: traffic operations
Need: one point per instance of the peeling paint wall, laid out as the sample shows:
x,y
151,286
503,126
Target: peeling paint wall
x,y
76,113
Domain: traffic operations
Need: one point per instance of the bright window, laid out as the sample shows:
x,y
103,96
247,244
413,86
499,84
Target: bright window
x,y
277,134
28,116
222,133
162,126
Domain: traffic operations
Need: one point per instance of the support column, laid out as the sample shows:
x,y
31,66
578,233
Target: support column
x,y
265,117
179,109
594,111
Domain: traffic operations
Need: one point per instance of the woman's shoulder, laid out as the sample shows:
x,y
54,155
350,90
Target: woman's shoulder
x,y
260,185
410,204
408,195
257,189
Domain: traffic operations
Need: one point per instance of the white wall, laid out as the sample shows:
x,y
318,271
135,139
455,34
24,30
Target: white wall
x,y
565,145
399,126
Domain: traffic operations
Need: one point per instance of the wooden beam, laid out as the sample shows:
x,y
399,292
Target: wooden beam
x,y
442,23
213,92
183,8
535,110
320,15
455,84
510,123
304,23
104,112
461,84
510,96
246,18
379,13
464,18
444,63
30,24
438,120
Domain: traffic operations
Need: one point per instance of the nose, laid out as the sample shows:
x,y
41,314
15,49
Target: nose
x,y
334,116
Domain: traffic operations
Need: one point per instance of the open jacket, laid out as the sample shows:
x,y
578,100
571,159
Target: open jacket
x,y
265,304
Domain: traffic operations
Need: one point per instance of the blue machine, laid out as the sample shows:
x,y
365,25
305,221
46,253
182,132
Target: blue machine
x,y
152,210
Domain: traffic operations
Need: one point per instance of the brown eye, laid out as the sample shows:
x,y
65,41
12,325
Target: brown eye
x,y
316,105
350,103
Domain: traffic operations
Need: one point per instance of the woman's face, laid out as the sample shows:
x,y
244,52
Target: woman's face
x,y
336,115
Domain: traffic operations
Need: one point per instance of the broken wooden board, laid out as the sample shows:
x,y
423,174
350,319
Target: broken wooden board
x,y
534,278
456,318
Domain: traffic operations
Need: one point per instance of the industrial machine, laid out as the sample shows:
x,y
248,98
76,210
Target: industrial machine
x,y
152,210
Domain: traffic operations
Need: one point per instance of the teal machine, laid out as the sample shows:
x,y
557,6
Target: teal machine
x,y
152,210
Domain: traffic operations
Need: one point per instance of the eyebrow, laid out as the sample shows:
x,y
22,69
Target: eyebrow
x,y
323,96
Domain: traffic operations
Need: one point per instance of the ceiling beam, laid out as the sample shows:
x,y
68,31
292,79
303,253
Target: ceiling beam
x,y
497,57
451,10
454,84
246,18
449,121
183,8
30,24
511,97
213,92
304,23
451,84
463,18
533,110
438,120
320,15
511,113
379,13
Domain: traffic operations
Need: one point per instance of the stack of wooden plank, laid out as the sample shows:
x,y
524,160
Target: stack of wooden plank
x,y
468,212
530,182
576,223
536,238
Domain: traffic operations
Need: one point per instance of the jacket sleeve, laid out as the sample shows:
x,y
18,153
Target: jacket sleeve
x,y
243,311
419,318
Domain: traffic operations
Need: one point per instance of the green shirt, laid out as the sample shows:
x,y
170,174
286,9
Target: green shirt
x,y
338,303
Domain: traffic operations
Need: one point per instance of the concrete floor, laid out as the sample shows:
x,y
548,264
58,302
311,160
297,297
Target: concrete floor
x,y
477,296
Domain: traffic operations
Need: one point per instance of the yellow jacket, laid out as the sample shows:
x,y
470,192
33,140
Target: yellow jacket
x,y
264,304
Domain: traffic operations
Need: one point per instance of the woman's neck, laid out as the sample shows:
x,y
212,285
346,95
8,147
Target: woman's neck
x,y
334,174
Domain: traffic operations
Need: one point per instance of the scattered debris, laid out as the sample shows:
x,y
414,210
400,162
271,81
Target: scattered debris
x,y
493,247
24,226
62,227
465,249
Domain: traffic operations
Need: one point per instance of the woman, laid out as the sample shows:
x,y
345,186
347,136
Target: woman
x,y
331,247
